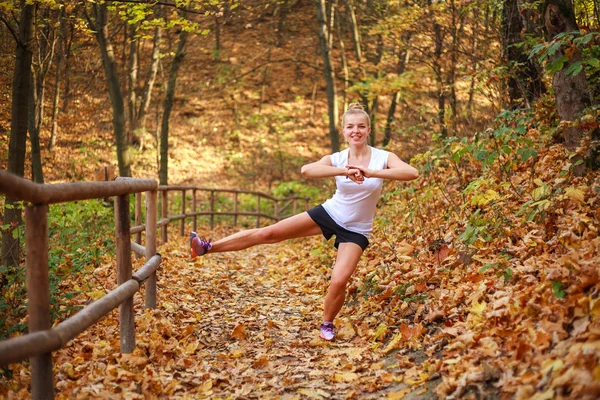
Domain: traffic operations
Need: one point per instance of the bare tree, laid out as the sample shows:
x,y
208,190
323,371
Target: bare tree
x,y
329,74
21,89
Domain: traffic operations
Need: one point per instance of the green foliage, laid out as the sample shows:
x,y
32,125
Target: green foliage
x,y
79,235
557,54
295,188
557,288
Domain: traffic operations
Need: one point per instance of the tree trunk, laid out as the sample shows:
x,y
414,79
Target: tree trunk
x,y
168,105
114,89
38,90
217,29
64,27
147,93
403,57
355,32
344,62
56,99
374,104
329,75
437,67
524,81
570,92
36,96
284,10
18,133
133,67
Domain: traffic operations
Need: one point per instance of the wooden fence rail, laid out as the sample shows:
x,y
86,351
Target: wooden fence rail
x,y
42,340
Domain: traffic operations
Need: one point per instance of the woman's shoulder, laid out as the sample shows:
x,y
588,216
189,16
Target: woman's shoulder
x,y
339,156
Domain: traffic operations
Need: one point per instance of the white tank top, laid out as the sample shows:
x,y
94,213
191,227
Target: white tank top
x,y
352,205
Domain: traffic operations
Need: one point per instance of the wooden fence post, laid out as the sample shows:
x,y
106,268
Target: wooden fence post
x,y
212,209
182,222
195,220
150,285
138,218
126,323
235,208
38,296
258,211
163,214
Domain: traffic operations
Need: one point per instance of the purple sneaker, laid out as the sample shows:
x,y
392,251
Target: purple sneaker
x,y
327,331
198,247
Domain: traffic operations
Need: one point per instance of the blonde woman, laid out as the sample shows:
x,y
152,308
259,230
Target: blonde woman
x,y
359,172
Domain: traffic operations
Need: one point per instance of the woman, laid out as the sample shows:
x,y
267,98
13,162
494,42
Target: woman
x,y
359,172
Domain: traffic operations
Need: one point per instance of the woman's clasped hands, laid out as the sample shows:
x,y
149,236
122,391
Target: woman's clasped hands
x,y
356,174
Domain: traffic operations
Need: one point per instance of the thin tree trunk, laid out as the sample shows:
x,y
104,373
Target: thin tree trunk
x,y
374,105
217,28
355,32
403,58
437,66
284,10
18,133
263,85
114,88
344,63
329,75
474,60
133,67
38,90
56,99
70,33
168,105
37,96
147,93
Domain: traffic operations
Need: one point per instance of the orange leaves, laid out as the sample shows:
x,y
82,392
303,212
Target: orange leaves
x,y
239,332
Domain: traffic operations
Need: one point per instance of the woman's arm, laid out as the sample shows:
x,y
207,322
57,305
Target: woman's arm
x,y
324,169
396,169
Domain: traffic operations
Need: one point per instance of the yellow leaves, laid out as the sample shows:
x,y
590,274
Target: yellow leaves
x,y
484,198
380,332
575,194
96,294
542,190
316,394
345,377
206,387
407,334
551,365
421,378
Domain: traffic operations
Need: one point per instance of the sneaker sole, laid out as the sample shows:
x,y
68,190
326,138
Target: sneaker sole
x,y
324,338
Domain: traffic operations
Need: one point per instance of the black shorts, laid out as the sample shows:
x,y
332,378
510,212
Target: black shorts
x,y
329,228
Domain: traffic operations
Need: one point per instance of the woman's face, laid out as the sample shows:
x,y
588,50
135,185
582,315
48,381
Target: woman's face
x,y
356,129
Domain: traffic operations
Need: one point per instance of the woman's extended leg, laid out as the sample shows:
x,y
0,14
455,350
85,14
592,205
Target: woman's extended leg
x,y
299,225
345,263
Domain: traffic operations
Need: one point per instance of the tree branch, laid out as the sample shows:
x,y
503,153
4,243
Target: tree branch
x,y
10,28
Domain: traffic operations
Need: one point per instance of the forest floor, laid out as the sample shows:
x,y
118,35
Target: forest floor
x,y
235,325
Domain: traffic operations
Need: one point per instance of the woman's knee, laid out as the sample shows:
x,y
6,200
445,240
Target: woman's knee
x,y
338,283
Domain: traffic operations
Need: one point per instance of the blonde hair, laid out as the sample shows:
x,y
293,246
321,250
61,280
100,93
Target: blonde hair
x,y
356,108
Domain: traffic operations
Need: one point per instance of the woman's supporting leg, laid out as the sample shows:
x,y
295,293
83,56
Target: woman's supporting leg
x,y
345,263
299,225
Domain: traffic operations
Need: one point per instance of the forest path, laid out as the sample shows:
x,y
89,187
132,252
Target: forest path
x,y
236,325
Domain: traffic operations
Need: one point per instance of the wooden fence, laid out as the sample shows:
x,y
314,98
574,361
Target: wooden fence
x,y
42,339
